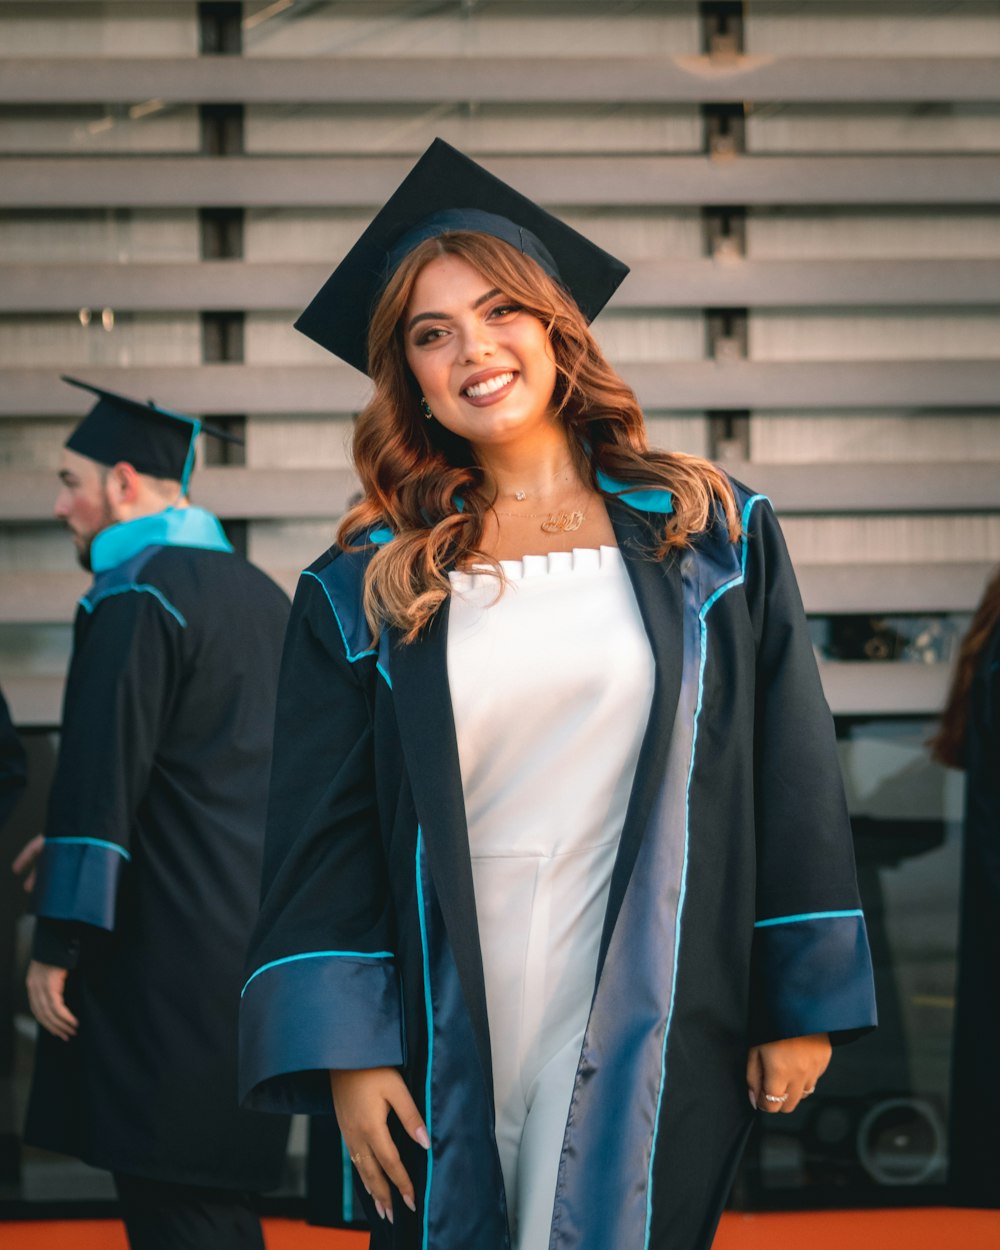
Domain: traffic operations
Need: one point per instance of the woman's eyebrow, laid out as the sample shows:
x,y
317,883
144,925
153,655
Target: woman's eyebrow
x,y
439,316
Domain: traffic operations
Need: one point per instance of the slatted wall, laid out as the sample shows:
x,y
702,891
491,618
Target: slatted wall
x,y
807,192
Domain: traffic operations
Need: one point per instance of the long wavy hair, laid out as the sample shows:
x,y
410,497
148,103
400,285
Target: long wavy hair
x,y
948,744
412,470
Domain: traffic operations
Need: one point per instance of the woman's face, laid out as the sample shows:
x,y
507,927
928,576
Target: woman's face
x,y
483,364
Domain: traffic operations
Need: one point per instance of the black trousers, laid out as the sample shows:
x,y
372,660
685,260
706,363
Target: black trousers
x,y
159,1215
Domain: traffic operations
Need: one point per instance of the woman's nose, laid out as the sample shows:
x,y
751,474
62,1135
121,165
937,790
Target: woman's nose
x,y
477,343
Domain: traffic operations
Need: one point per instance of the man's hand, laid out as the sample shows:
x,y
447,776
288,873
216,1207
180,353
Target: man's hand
x,y
46,991
27,860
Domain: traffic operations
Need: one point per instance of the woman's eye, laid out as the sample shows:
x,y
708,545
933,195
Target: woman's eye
x,y
504,310
428,336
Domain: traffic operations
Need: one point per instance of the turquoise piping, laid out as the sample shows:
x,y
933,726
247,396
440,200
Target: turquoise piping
x,y
352,658
385,675
808,915
383,535
105,846
290,959
347,1184
173,527
429,1010
702,657
141,588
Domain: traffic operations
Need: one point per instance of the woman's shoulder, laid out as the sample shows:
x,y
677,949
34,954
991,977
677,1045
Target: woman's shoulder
x,y
331,589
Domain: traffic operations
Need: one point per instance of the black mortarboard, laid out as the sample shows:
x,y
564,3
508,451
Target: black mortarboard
x,y
151,439
446,191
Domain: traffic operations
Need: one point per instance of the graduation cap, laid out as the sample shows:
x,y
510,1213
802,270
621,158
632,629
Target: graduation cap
x,y
447,191
151,439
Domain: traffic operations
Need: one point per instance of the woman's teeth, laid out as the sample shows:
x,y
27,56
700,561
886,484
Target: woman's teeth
x,y
489,386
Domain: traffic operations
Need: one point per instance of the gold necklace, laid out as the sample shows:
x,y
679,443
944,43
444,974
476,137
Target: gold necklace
x,y
564,522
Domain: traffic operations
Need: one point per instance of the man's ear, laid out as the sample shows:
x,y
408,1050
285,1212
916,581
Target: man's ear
x,y
122,484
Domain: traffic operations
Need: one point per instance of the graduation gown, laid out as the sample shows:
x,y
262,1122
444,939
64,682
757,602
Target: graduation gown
x,y
975,1107
733,914
150,873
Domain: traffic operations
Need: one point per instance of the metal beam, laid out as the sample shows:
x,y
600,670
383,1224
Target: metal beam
x,y
518,80
851,689
685,283
681,386
364,182
813,489
49,598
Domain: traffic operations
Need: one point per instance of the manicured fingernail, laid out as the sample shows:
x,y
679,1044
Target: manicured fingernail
x,y
753,1100
380,1209
408,1199
422,1137
388,1214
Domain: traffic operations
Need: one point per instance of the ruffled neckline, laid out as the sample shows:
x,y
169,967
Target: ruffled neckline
x,y
532,569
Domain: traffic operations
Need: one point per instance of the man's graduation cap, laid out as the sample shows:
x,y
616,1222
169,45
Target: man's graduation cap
x,y
151,439
446,191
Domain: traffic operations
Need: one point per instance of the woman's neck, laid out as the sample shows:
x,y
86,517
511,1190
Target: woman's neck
x,y
544,470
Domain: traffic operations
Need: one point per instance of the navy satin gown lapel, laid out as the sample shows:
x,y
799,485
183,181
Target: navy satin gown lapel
x,y
659,594
422,699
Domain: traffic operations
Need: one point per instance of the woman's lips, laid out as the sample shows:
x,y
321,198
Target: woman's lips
x,y
489,390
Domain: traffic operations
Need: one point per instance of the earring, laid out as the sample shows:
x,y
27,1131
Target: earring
x,y
425,408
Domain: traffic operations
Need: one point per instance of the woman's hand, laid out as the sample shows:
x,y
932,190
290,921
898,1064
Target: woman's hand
x,y
781,1074
362,1100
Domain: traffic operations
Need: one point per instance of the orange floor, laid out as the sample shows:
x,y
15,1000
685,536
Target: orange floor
x,y
925,1229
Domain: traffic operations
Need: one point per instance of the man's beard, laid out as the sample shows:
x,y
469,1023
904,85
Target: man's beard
x,y
83,550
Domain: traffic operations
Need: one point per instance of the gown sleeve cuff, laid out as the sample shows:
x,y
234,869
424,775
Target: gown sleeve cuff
x,y
305,1014
78,880
812,973
55,943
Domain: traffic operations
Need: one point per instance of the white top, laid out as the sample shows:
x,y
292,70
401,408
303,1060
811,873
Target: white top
x,y
551,684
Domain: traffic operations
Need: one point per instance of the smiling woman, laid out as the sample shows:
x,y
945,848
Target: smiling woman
x,y
558,866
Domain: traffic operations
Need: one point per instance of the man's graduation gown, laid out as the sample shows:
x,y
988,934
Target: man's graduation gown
x,y
150,873
974,1167
733,915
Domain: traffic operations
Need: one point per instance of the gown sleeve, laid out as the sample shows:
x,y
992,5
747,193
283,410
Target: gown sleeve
x,y
13,764
811,969
322,989
125,669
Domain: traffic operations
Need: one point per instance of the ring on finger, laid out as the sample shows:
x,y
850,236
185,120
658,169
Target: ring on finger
x,y
776,1098
361,1154
807,1092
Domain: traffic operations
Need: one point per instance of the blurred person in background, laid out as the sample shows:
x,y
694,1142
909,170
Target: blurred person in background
x,y
148,874
969,738
13,778
558,886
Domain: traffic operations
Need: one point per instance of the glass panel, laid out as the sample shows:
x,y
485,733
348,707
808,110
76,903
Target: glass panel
x,y
414,28
478,129
876,1130
906,638
151,126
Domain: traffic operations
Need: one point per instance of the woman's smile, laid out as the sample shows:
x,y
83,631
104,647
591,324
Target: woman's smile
x,y
489,387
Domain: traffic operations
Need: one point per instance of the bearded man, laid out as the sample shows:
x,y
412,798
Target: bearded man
x,y
148,876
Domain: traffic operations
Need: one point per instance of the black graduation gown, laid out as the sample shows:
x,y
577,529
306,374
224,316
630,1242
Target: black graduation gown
x,y
13,764
733,914
975,1111
150,873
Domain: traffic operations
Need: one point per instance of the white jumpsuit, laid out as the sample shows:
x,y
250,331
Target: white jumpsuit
x,y
551,686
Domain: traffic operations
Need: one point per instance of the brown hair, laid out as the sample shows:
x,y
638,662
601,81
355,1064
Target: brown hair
x,y
948,744
412,470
